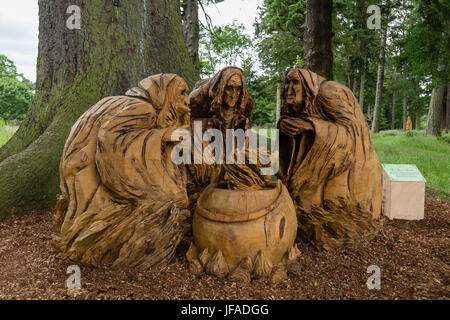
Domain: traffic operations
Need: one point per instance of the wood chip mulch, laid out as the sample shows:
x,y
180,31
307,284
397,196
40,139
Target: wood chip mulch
x,y
413,257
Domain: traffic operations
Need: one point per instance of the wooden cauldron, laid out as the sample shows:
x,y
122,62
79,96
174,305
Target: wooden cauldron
x,y
241,223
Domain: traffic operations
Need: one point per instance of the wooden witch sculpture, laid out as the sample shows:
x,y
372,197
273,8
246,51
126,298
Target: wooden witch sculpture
x,y
328,161
243,225
222,102
123,200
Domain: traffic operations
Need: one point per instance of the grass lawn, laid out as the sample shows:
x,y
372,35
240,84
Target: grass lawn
x,y
6,132
430,154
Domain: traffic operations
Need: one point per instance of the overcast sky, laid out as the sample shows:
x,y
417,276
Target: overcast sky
x,y
19,25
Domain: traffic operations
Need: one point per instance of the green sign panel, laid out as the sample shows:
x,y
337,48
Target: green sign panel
x,y
403,172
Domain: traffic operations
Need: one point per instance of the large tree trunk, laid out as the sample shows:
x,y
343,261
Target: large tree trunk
x,y
115,48
318,54
435,111
191,29
380,77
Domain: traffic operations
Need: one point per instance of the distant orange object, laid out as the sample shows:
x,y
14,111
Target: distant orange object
x,y
409,124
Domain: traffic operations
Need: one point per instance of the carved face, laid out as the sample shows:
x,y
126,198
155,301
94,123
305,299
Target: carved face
x,y
180,98
293,90
176,111
232,90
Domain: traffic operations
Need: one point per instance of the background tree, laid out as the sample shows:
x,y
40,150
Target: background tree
x,y
279,35
318,55
223,46
117,46
15,99
191,28
16,92
427,47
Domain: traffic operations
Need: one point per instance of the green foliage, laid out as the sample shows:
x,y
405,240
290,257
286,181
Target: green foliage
x,y
279,31
411,134
417,52
223,46
7,67
354,44
15,95
261,90
427,39
229,45
15,99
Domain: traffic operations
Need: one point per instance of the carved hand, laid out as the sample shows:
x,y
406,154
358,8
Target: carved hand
x,y
294,126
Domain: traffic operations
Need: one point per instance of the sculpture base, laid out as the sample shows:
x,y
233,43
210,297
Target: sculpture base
x,y
247,269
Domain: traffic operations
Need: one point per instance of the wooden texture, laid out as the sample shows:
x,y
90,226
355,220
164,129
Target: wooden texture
x,y
220,102
123,200
245,232
409,124
328,162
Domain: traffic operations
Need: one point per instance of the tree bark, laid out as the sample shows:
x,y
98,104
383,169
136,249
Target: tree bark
x,y
191,29
444,112
380,77
361,89
417,120
278,102
115,48
405,108
318,35
355,82
435,111
394,97
447,118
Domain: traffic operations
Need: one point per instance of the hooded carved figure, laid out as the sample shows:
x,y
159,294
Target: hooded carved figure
x,y
223,98
222,103
123,200
328,161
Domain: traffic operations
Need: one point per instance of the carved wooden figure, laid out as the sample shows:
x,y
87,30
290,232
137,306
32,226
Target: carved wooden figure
x,y
409,124
221,102
244,226
123,200
327,161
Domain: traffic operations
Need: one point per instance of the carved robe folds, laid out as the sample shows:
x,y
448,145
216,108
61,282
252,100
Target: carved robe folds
x,y
123,200
331,169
